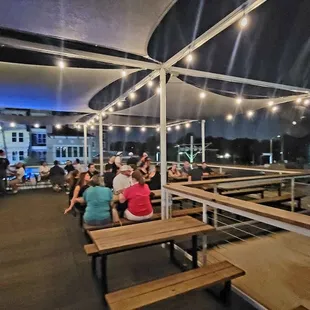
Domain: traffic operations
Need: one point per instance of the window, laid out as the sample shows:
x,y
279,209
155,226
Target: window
x,y
64,152
14,137
21,155
14,156
81,151
21,137
69,151
57,151
93,144
40,138
75,152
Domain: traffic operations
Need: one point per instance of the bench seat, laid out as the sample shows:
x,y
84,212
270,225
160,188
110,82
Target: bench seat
x,y
148,293
245,191
174,199
279,199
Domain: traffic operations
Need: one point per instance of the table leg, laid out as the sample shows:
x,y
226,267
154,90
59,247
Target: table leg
x,y
172,257
194,251
104,278
280,189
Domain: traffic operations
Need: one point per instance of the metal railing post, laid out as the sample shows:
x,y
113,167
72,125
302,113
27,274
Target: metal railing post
x,y
293,194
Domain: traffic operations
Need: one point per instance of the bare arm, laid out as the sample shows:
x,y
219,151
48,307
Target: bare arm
x,y
189,178
121,198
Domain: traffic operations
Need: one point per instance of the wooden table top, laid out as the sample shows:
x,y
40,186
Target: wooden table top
x,y
205,177
128,237
248,184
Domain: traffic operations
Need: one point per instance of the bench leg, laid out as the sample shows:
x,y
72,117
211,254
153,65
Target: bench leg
x,y
104,278
172,257
280,190
262,194
225,293
210,218
194,251
93,263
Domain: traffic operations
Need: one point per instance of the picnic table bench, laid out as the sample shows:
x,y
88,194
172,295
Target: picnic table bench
x,y
148,293
280,199
245,191
120,239
205,177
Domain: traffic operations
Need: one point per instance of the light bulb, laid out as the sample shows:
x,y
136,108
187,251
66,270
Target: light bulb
x,y
119,103
202,95
132,95
103,114
243,22
110,128
270,103
168,128
97,117
150,84
92,127
229,117
58,126
298,100
239,100
36,125
274,109
189,58
306,102
12,124
61,64
177,127
127,128
124,73
158,90
294,123
187,125
157,129
111,109
78,126
143,129
250,113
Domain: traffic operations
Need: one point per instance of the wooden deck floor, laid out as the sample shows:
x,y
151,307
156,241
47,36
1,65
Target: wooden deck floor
x,y
277,269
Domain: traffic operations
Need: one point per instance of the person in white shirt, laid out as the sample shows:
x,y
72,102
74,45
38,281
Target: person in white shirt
x,y
77,165
44,171
123,179
118,159
19,173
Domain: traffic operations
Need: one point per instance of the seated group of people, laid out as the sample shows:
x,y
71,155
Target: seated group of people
x,y
91,196
194,173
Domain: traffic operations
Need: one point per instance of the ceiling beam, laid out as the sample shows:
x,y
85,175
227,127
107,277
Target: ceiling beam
x,y
77,54
235,79
223,24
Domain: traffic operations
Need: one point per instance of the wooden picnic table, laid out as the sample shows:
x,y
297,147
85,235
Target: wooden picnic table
x,y
124,238
205,177
249,184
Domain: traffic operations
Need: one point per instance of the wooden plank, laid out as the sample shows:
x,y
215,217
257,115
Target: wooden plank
x,y
90,249
187,211
182,286
249,184
296,219
244,191
283,198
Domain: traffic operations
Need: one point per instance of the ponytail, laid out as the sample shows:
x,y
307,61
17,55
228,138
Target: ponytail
x,y
137,175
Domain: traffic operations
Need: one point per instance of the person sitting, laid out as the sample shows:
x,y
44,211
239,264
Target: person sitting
x,y
79,186
108,176
44,171
91,171
138,198
112,162
72,180
173,172
186,169
98,200
122,181
19,174
57,176
132,161
205,169
195,174
69,166
144,169
4,164
155,182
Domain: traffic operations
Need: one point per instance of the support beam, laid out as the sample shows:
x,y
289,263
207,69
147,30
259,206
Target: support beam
x,y
77,54
85,145
223,24
239,80
163,140
203,142
100,144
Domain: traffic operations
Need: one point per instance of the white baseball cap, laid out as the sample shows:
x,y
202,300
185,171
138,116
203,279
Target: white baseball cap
x,y
119,153
125,168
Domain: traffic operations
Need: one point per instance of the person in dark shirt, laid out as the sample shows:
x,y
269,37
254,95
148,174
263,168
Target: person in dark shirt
x,y
132,161
195,174
4,164
90,172
108,176
205,169
155,182
112,162
69,167
57,176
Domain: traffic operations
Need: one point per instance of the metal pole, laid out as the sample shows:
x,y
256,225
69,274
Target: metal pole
x,y
204,237
282,149
85,145
100,144
203,142
192,149
271,152
163,140
292,194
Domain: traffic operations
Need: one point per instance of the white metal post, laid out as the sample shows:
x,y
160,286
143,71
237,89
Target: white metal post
x,y
100,144
163,142
192,149
204,237
203,142
271,152
292,194
85,146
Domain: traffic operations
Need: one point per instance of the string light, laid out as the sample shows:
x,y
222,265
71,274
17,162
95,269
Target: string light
x,y
189,58
103,114
92,127
238,100
127,128
250,114
143,129
36,125
110,128
202,95
111,109
229,117
158,90
97,117
157,129
132,95
270,103
243,22
177,127
187,125
119,103
168,128
274,109
298,100
58,126
124,73
12,124
150,84
78,126
294,123
61,64
306,102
